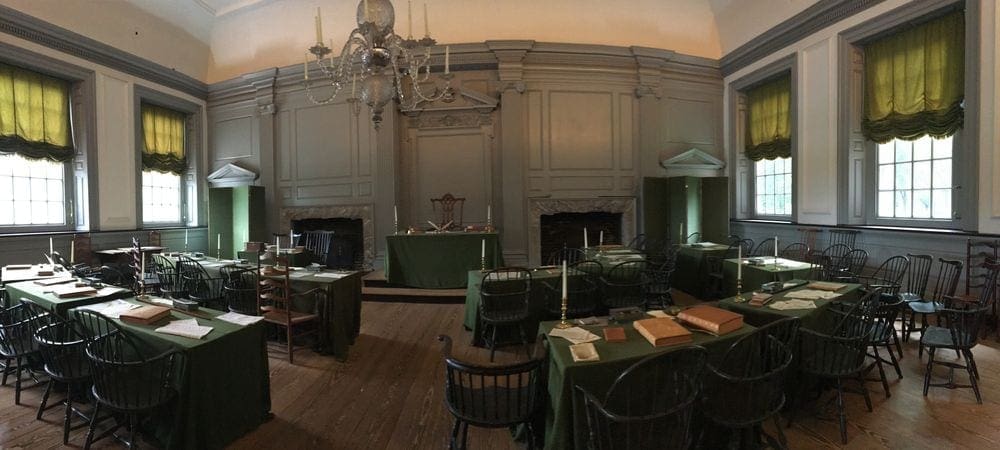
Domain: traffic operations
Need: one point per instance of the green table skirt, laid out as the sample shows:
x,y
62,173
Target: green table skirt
x,y
691,272
223,384
755,276
438,260
565,420
341,316
536,302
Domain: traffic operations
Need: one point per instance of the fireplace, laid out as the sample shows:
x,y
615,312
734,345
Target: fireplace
x,y
336,242
623,207
565,229
354,223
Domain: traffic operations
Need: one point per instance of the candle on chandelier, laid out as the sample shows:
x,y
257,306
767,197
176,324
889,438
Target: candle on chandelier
x,y
447,59
319,28
409,18
427,30
305,68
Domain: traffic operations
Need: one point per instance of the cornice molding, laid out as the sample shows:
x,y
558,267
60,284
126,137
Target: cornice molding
x,y
32,29
814,18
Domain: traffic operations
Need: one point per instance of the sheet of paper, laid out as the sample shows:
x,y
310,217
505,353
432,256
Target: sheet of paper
x,y
575,335
793,304
333,275
811,294
298,274
188,328
584,352
112,309
239,319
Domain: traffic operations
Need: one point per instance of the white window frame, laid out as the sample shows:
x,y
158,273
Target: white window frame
x,y
753,192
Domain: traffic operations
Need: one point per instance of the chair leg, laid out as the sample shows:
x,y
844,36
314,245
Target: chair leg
x,y
781,433
864,391
454,435
93,424
131,431
840,411
17,380
493,343
881,371
531,435
927,373
45,399
899,348
973,378
6,371
895,362
67,413
465,436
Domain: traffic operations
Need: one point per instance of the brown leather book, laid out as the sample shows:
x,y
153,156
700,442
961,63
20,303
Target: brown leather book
x,y
145,315
614,334
714,320
826,286
70,291
662,331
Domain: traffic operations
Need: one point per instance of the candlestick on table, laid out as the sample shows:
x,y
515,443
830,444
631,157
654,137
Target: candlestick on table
x,y
776,253
585,238
395,219
50,246
600,239
72,252
563,323
185,240
739,269
482,257
142,275
218,246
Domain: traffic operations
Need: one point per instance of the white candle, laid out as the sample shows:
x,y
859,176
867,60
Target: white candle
x,y
585,238
427,30
72,252
50,246
564,279
409,18
600,239
680,233
218,246
483,253
142,271
395,215
366,11
291,240
185,238
775,248
305,67
489,214
277,245
447,59
319,28
739,262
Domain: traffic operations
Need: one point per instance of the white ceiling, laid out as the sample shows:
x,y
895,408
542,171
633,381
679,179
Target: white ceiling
x,y
196,16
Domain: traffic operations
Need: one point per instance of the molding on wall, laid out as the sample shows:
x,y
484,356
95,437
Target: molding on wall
x,y
29,28
814,18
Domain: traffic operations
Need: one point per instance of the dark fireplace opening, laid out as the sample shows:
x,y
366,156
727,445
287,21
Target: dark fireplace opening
x,y
337,242
566,230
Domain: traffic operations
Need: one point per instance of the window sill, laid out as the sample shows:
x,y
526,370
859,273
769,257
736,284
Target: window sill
x,y
772,221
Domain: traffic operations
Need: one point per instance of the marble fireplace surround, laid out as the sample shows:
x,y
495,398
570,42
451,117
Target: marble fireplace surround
x,y
543,206
363,212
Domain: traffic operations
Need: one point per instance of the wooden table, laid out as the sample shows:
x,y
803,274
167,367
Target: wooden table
x,y
772,269
763,315
438,260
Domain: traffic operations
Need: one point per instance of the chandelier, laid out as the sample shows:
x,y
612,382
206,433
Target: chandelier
x,y
391,67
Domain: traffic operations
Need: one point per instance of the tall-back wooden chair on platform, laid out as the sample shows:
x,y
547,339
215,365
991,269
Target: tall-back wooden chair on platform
x,y
450,208
276,298
650,405
503,304
492,396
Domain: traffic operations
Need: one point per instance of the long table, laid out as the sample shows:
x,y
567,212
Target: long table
x,y
44,297
438,260
763,315
772,269
566,420
223,383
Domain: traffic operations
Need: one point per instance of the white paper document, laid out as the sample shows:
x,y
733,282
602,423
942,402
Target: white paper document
x,y
793,304
112,309
239,319
187,328
298,274
334,275
575,335
811,294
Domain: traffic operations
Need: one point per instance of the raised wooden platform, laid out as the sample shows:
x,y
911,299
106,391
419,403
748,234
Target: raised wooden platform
x,y
375,284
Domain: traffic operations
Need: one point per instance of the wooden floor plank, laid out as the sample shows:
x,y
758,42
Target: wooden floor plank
x,y
388,395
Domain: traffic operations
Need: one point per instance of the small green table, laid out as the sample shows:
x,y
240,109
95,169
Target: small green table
x,y
566,419
691,270
438,260
756,275
342,317
811,318
45,298
224,387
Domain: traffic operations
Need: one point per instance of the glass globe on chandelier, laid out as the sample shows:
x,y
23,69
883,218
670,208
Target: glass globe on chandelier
x,y
387,60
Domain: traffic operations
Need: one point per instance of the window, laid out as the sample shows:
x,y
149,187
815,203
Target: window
x,y
36,143
163,164
773,187
914,179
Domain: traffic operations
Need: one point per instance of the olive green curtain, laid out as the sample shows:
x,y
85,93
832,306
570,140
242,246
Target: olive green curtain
x,y
34,115
163,140
769,123
915,81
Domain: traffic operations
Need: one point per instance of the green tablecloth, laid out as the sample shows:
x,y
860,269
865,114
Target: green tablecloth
x,y
754,276
763,315
691,273
438,260
536,303
342,317
223,385
44,297
566,421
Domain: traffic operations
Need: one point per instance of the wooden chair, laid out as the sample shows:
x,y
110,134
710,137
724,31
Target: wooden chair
x,y
241,292
949,272
83,253
581,296
624,285
960,334
844,237
63,351
503,303
809,236
17,329
693,238
447,206
764,248
650,405
275,298
795,252
492,396
570,255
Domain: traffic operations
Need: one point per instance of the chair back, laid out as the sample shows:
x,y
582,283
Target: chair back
x,y
17,330
276,292
241,292
844,237
125,379
746,246
494,395
795,252
504,294
115,277
987,296
747,387
842,352
63,350
657,286
836,252
764,248
693,238
964,325
82,251
785,330
884,315
154,239
890,274
450,208
650,405
918,274
570,255
624,285
854,262
949,271
638,242
166,272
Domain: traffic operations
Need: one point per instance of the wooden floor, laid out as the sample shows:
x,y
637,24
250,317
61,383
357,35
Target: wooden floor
x,y
388,396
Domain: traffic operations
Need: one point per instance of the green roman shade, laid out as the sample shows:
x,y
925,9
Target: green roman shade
x,y
915,81
34,115
769,123
163,140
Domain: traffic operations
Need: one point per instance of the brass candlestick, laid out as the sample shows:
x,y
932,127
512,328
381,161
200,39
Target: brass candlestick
x,y
482,264
563,323
739,287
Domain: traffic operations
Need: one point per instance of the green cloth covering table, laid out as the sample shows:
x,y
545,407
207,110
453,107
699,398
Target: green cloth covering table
x,y
342,317
46,299
566,420
536,303
438,260
691,270
224,388
756,275
811,318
